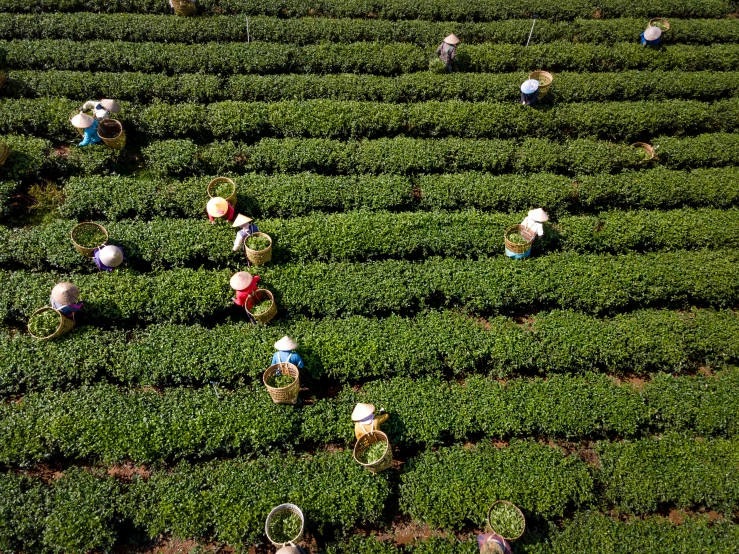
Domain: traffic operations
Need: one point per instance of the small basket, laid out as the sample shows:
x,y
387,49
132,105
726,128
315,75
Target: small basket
x,y
112,133
525,232
183,7
517,509
4,152
3,78
545,81
257,296
659,22
367,440
284,395
65,324
84,250
648,148
231,199
259,257
285,508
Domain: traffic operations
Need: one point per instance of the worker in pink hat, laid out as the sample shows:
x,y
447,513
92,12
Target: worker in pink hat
x,y
219,208
447,51
244,283
365,421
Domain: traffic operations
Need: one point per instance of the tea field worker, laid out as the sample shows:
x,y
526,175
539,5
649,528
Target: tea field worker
x,y
365,421
108,257
286,353
490,543
447,51
529,92
290,549
171,6
244,283
102,109
247,228
651,36
89,126
64,298
534,220
218,207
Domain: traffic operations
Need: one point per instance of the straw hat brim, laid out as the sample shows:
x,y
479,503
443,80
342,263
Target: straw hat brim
x,y
529,86
538,215
452,39
112,256
217,207
241,280
653,32
288,550
286,343
111,105
65,293
240,220
362,411
82,120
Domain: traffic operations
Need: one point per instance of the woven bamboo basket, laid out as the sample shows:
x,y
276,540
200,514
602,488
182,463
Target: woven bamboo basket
x,y
367,440
112,133
545,81
648,148
659,22
284,395
65,324
183,7
490,527
525,232
257,296
85,250
3,78
4,152
281,509
231,198
259,257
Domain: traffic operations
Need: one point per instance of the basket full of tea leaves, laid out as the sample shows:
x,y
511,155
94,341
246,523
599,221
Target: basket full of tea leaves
x,y
506,520
285,525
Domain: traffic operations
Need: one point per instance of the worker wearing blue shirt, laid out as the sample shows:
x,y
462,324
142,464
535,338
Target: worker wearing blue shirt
x,y
285,353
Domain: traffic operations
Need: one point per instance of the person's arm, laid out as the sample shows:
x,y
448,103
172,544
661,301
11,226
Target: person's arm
x,y
297,360
239,240
89,105
380,419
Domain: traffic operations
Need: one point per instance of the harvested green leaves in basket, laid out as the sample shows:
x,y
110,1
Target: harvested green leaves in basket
x,y
44,323
257,243
284,526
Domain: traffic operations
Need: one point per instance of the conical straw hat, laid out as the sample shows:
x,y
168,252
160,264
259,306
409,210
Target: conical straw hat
x,y
241,219
112,256
288,550
529,86
65,293
652,33
82,120
286,343
241,280
217,207
111,105
452,39
362,411
538,215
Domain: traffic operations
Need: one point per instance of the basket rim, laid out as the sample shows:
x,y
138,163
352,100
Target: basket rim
x,y
274,366
534,74
661,20
107,121
221,180
254,293
80,224
648,148
378,460
523,517
45,309
281,508
258,234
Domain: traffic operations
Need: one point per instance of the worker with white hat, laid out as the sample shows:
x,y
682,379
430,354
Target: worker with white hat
x,y
286,353
218,207
102,109
89,127
529,92
247,228
491,543
244,283
64,298
651,36
447,51
290,549
365,421
534,220
108,257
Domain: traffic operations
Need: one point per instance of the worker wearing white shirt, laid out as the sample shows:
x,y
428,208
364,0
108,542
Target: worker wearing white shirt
x,y
534,220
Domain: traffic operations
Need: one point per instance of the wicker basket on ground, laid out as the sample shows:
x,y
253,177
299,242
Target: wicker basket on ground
x,y
367,440
87,250
659,22
257,296
112,133
65,324
545,81
230,198
259,257
283,395
492,529
4,152
281,509
525,232
183,7
648,148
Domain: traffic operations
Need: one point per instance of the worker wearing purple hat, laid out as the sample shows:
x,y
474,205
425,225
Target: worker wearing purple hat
x,y
108,257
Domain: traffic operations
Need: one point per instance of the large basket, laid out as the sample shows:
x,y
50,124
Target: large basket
x,y
659,22
648,148
84,250
284,395
183,7
257,296
231,198
367,440
65,324
4,152
112,133
490,527
285,508
545,81
259,257
3,78
525,232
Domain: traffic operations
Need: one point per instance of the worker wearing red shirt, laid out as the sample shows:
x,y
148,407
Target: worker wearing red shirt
x,y
218,207
244,283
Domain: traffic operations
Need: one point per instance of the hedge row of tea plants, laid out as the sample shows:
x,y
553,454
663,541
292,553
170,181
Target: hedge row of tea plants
x,y
359,57
413,87
302,31
358,348
592,283
106,424
363,236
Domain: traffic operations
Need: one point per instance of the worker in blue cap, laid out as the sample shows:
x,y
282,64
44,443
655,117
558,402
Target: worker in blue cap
x,y
529,92
651,36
